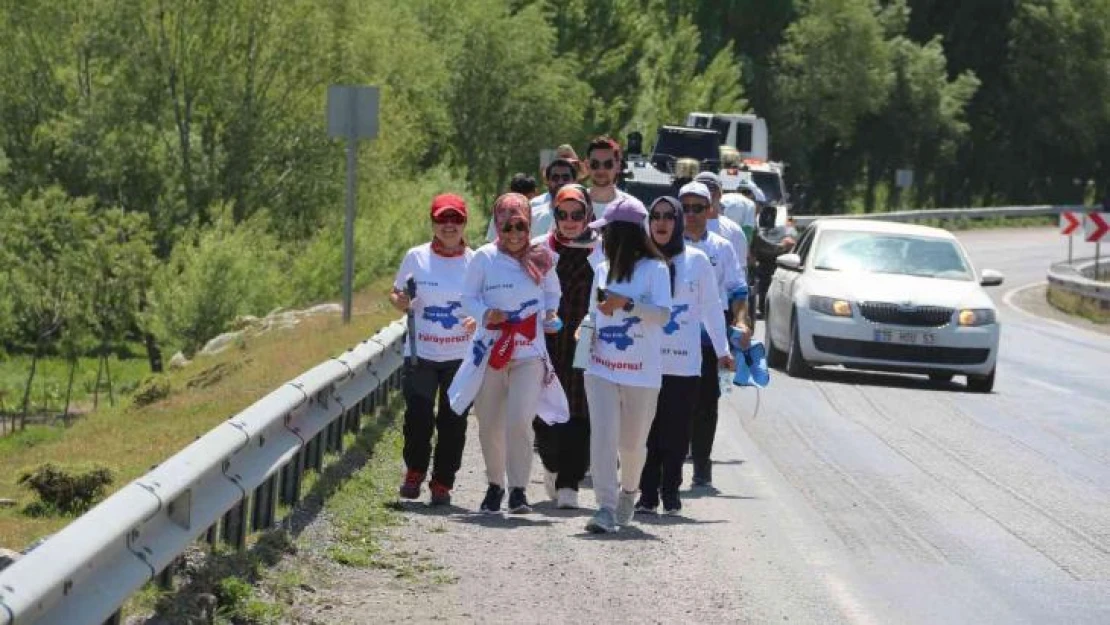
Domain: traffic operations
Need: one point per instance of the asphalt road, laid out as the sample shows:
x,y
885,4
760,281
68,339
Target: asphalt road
x,y
908,502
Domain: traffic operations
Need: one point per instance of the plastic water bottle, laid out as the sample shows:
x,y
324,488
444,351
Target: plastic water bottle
x,y
724,379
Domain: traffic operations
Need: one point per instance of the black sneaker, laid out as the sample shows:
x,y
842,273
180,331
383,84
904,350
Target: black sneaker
x,y
671,503
648,503
492,503
518,501
703,474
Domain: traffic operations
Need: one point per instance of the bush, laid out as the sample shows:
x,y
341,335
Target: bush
x,y
64,493
151,390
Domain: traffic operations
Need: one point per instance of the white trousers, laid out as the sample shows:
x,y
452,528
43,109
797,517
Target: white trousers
x,y
506,404
620,420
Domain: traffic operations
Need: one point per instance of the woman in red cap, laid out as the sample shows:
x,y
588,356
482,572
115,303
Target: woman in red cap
x,y
511,287
442,337
564,448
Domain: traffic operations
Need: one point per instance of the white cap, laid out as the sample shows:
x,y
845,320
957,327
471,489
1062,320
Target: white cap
x,y
695,188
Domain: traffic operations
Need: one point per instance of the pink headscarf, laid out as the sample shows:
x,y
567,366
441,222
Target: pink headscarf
x,y
536,260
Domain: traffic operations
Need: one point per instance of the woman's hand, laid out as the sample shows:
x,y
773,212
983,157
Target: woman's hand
x,y
612,303
495,317
726,362
400,300
551,323
469,324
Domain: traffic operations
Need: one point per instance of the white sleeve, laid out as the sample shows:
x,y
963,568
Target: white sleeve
x,y
552,291
712,309
732,279
740,246
475,280
405,270
658,309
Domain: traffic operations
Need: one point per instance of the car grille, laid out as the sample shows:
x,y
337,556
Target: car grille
x,y
917,316
925,354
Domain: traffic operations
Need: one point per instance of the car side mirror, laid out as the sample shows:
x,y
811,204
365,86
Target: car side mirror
x,y
789,262
990,277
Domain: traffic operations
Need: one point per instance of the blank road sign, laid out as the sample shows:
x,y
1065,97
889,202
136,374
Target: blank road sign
x,y
352,112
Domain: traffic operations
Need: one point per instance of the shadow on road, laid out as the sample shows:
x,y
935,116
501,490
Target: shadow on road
x,y
889,380
627,532
501,521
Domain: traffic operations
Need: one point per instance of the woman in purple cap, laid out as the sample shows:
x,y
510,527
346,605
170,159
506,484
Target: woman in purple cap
x,y
630,303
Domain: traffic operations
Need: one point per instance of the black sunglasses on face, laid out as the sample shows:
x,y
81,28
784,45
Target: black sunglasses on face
x,y
662,217
561,177
519,226
562,215
605,164
696,209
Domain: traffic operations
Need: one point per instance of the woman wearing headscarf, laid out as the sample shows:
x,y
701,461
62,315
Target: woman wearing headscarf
x,y
630,303
442,335
696,304
564,448
511,287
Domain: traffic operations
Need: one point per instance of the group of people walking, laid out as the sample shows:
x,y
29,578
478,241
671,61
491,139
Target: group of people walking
x,y
581,331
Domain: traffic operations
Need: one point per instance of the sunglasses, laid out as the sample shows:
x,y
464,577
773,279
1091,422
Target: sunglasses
x,y
563,215
696,209
560,177
519,226
605,164
449,218
661,216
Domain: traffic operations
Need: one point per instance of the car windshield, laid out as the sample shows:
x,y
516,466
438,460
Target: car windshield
x,y
770,184
877,252
700,145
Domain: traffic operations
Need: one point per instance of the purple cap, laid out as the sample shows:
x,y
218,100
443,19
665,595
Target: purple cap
x,y
625,208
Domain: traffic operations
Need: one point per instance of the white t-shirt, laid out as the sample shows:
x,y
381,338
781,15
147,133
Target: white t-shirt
x,y
739,209
495,280
626,350
735,235
723,259
599,207
696,304
438,305
540,200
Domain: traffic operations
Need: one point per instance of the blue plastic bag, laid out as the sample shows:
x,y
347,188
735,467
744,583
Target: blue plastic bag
x,y
751,363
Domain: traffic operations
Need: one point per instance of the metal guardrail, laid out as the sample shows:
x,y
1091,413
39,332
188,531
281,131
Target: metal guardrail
x,y
230,479
950,213
1074,278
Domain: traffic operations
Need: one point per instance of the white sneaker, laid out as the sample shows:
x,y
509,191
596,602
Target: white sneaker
x,y
568,499
549,478
626,507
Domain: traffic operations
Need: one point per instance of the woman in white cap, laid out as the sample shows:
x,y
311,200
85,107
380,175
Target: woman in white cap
x,y
630,304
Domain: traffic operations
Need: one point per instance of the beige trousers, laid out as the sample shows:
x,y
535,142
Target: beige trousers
x,y
506,404
620,420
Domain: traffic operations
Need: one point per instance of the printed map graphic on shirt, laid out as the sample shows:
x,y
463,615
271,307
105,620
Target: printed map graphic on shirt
x,y
672,325
514,316
443,315
479,349
618,335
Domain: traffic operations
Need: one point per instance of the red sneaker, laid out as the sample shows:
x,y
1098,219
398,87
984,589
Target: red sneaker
x,y
441,495
410,488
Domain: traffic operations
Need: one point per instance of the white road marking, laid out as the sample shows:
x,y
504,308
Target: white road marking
x,y
1046,385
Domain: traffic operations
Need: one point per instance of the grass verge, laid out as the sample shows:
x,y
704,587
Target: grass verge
x,y
130,440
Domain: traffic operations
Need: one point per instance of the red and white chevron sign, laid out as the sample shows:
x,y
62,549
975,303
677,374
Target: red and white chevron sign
x,y
1070,222
1096,226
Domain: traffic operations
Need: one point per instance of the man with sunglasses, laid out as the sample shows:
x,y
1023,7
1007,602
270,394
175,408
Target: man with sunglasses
x,y
603,156
696,200
557,174
721,224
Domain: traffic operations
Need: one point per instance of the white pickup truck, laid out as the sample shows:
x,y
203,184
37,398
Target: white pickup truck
x,y
747,135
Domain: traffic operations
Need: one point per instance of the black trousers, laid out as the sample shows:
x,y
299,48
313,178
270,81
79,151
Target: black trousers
x,y
424,383
704,428
564,449
669,437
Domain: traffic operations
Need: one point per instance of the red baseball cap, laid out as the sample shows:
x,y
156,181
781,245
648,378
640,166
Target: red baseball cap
x,y
446,202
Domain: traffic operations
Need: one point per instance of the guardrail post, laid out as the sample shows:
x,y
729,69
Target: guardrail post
x,y
165,578
212,534
115,619
235,525
291,479
317,457
265,505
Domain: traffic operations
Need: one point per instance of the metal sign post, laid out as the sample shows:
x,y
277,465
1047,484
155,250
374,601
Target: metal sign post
x,y
352,115
1096,226
1069,223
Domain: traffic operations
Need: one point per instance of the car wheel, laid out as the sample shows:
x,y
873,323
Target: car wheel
x,y
981,383
775,357
941,378
796,365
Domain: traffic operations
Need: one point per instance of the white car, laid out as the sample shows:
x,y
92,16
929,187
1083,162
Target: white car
x,y
882,296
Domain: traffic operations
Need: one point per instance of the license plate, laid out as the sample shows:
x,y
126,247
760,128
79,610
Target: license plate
x,y
906,337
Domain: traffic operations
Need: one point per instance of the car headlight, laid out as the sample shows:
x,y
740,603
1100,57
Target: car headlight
x,y
976,317
830,306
